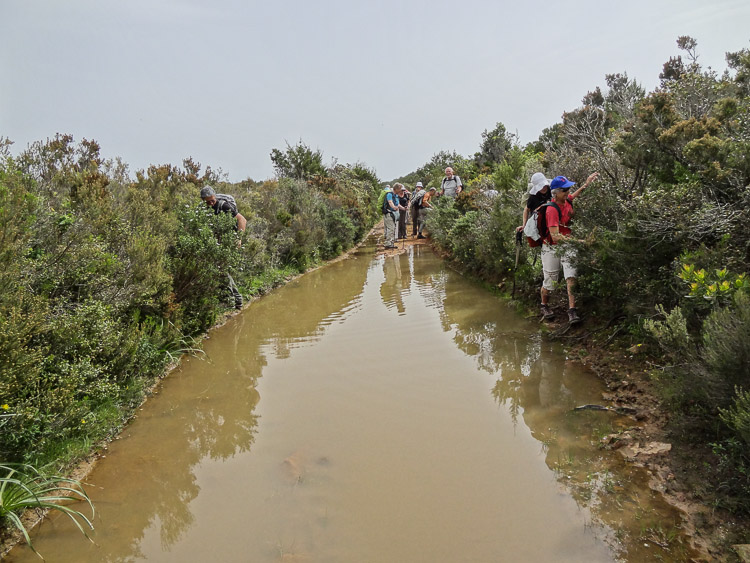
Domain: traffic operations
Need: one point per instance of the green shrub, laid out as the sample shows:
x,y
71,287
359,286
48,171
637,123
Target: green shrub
x,y
23,487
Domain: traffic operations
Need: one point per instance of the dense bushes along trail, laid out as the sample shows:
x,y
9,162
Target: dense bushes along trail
x,y
105,278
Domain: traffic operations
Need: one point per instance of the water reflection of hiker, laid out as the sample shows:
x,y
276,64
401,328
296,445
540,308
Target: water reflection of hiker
x,y
544,392
539,194
392,286
559,214
391,209
222,203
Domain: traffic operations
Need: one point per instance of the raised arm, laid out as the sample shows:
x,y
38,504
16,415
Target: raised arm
x,y
590,179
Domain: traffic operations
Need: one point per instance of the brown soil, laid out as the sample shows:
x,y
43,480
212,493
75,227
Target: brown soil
x,y
679,471
401,244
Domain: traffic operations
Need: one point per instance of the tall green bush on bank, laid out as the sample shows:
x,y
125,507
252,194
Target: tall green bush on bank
x,y
105,278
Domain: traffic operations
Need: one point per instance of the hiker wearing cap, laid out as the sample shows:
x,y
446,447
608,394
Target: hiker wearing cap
x,y
223,203
416,201
403,201
558,215
451,184
391,210
425,208
539,194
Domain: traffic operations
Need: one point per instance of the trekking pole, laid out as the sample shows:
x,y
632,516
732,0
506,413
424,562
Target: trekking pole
x,y
519,241
406,223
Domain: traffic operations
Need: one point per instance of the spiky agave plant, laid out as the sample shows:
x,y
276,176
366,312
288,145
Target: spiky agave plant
x,y
23,486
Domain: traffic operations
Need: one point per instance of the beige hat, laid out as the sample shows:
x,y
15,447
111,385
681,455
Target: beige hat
x,y
538,181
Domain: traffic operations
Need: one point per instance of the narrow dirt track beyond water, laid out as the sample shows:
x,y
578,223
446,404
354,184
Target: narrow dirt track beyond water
x,y
381,408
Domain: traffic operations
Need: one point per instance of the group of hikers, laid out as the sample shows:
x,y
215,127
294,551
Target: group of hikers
x,y
546,220
550,208
397,202
549,205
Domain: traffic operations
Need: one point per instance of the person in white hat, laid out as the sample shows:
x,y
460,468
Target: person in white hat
x,y
539,194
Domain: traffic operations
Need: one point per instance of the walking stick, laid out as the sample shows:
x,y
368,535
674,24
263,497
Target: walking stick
x,y
519,241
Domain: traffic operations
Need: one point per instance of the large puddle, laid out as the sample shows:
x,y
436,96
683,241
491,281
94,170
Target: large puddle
x,y
379,410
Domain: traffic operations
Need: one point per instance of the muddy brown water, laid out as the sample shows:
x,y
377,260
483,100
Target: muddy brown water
x,y
380,409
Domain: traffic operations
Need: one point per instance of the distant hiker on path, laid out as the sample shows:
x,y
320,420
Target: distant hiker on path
x,y
451,184
424,209
391,209
539,194
222,203
403,201
416,201
558,213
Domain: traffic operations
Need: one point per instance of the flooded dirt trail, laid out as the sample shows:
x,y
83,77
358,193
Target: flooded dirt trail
x,y
378,409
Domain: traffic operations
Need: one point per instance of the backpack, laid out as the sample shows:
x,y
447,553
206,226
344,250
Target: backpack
x,y
383,201
536,230
230,200
442,183
416,201
381,198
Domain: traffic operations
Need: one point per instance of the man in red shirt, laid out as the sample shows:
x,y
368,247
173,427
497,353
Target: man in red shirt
x,y
558,224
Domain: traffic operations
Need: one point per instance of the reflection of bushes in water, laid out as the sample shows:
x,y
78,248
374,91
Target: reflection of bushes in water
x,y
105,277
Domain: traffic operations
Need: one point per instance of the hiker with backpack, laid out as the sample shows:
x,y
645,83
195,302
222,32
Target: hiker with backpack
x,y
539,194
556,254
223,203
425,207
403,201
416,201
451,184
391,209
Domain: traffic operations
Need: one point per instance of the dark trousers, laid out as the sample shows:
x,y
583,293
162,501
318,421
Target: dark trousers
x,y
414,221
402,225
234,293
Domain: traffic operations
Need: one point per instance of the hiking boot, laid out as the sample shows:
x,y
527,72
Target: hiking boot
x,y
421,236
547,313
573,317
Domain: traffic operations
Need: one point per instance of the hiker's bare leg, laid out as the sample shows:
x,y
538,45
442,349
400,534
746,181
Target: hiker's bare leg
x,y
545,295
571,282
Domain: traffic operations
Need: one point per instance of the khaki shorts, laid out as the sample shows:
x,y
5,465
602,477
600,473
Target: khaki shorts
x,y
552,262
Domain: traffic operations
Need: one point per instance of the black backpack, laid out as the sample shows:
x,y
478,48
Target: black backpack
x,y
223,200
386,207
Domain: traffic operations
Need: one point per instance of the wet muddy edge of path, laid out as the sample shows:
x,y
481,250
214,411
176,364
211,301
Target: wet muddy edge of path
x,y
645,443
10,537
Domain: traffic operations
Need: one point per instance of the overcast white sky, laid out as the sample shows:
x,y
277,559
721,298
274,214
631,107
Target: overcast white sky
x,y
387,83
